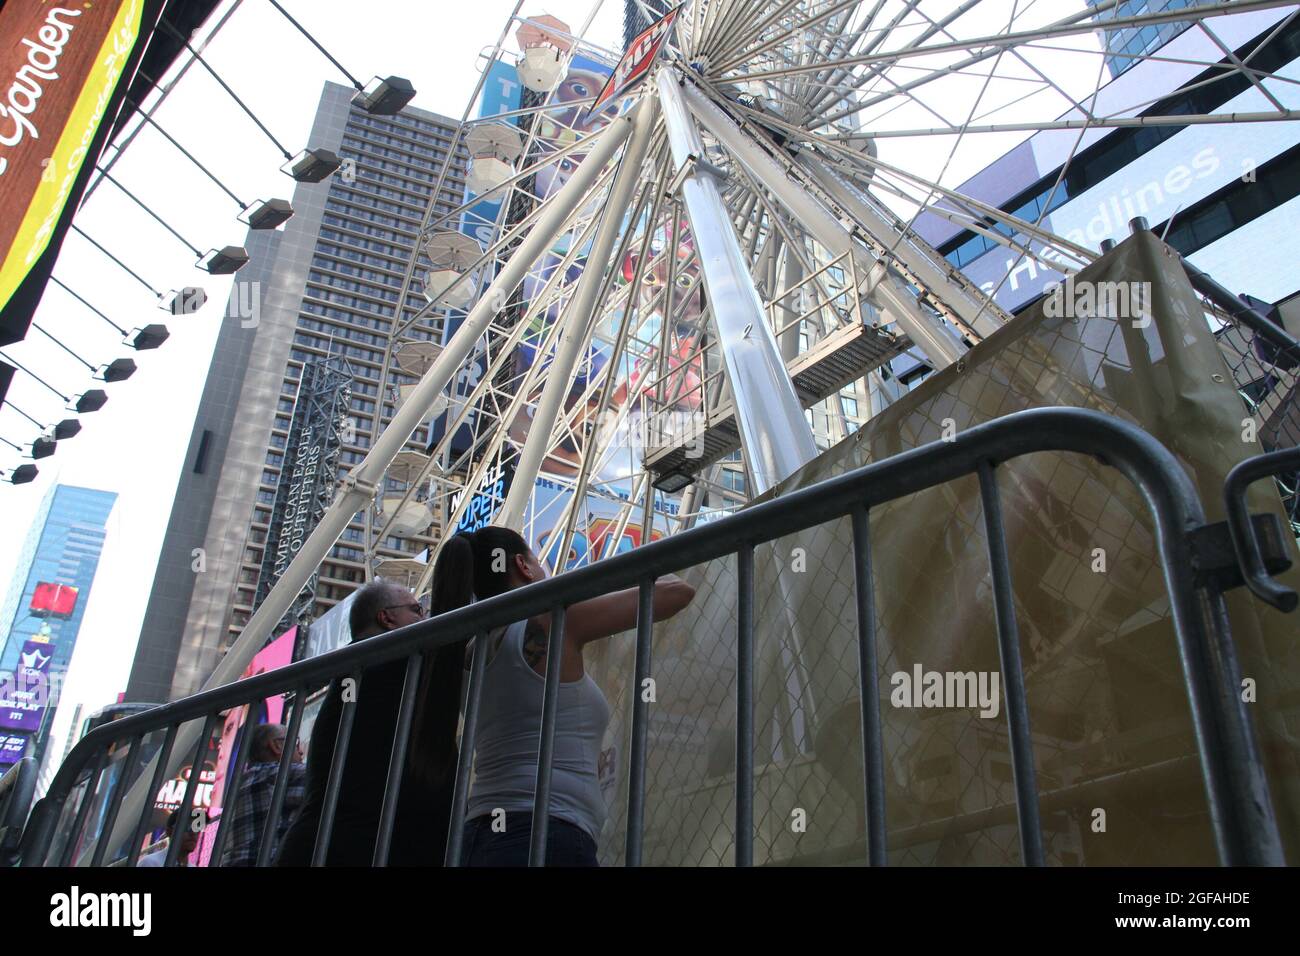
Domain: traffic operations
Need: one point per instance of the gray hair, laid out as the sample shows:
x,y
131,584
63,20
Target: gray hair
x,y
369,601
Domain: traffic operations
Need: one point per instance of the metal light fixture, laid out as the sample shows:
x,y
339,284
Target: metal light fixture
x,y
224,261
91,401
385,97
672,482
43,447
149,337
312,165
119,370
266,213
23,474
66,429
188,300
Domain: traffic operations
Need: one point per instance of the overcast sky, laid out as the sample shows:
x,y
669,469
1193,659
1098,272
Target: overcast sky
x,y
135,445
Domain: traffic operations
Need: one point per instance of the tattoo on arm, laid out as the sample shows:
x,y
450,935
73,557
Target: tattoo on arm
x,y
535,642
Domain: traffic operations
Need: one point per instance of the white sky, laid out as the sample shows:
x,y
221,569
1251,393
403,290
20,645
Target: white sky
x,y
135,445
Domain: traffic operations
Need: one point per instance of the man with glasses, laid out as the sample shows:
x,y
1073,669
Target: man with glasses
x,y
424,804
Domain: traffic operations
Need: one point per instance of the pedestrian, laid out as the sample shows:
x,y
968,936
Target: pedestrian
x,y
481,565
424,807
189,841
246,811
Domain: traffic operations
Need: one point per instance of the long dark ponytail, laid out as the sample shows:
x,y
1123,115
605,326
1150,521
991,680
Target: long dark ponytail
x,y
472,565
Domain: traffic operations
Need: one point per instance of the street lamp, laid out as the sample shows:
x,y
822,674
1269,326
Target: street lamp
x,y
386,97
312,165
224,261
118,370
266,213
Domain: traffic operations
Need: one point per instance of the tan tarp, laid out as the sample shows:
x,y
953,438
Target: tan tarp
x,y
1115,755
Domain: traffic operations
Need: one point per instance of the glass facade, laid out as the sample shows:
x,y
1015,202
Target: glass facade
x,y
1117,151
1127,44
60,555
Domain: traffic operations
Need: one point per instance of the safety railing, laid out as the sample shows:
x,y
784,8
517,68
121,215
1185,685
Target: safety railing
x,y
1238,801
17,787
1245,541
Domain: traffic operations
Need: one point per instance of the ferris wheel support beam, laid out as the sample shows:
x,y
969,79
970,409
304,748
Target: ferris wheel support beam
x,y
926,265
361,484
1071,26
576,318
774,432
939,344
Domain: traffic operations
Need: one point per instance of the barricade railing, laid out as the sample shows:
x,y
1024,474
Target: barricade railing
x,y
1238,801
17,787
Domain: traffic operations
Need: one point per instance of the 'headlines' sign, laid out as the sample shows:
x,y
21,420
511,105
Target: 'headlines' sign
x,y
636,62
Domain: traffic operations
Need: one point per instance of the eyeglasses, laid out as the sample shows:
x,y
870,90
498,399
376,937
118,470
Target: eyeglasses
x,y
415,607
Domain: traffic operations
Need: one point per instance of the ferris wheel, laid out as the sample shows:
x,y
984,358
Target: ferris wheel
x,y
684,269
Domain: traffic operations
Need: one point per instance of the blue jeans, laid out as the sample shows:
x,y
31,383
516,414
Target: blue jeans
x,y
567,844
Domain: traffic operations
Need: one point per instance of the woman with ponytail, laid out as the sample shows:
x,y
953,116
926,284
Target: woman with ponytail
x,y
484,564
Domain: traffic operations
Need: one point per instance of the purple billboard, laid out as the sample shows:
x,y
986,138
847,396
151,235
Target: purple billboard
x,y
24,694
13,747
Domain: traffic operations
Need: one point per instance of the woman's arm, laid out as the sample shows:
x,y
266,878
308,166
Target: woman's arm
x,y
614,613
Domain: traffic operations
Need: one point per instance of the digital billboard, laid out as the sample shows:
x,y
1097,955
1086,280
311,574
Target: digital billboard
x,y
25,693
53,600
1160,183
13,747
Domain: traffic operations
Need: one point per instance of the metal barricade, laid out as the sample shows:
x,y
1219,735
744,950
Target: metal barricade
x,y
17,787
1240,810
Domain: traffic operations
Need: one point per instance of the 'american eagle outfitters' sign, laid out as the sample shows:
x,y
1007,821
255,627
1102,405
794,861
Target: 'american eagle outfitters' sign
x,y
636,62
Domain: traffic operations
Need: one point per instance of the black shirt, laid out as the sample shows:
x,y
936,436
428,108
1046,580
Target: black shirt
x,y
424,802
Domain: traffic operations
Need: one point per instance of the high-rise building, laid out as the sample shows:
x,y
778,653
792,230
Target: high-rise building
x,y
1126,45
43,611
328,284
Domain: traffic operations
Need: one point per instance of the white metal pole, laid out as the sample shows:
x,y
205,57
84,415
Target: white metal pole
x,y
773,430
358,488
576,319
930,335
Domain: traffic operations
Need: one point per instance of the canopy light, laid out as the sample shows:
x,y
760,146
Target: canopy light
x,y
385,97
672,482
43,447
66,429
266,213
149,337
118,370
91,401
312,165
23,474
188,300
224,261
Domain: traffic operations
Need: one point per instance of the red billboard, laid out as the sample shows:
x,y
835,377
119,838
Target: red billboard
x,y
636,62
53,600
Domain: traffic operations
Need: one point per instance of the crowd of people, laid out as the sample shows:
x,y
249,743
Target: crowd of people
x,y
472,566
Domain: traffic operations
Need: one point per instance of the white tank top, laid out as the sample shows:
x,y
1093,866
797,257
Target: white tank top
x,y
510,720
